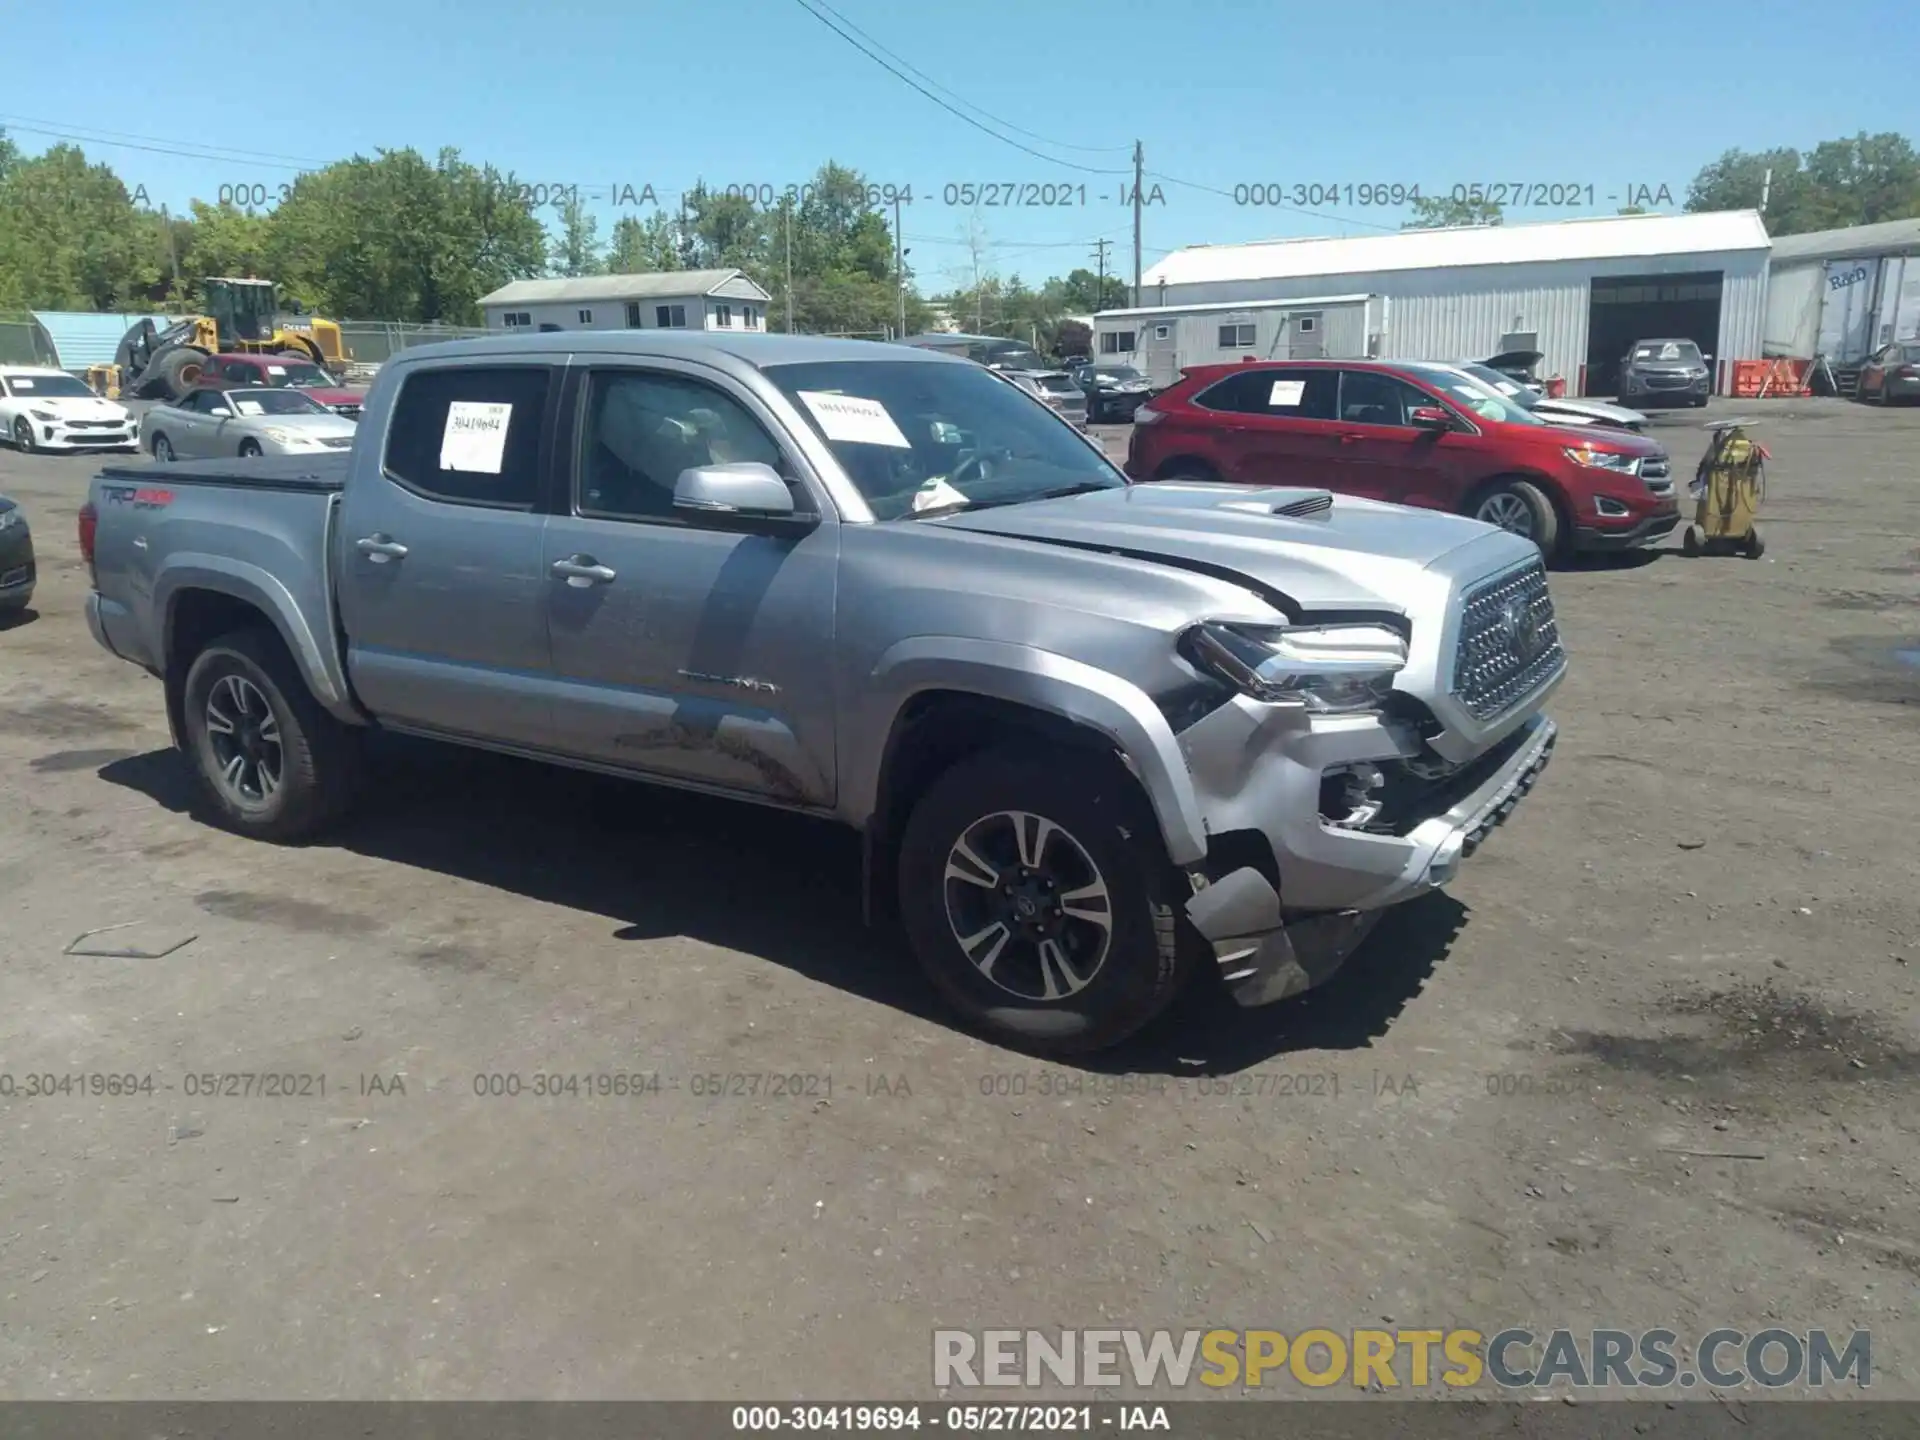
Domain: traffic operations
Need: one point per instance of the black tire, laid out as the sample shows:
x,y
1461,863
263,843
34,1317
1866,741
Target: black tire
x,y
319,759
1192,472
1755,546
1523,509
250,449
1694,541
1132,967
175,372
162,449
23,435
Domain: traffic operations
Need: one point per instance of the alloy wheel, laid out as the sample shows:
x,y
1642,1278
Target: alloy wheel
x,y
244,734
1508,511
1028,905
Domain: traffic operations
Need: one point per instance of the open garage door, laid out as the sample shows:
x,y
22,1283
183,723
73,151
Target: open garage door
x,y
1626,308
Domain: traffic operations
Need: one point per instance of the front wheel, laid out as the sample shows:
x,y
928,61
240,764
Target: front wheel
x,y
272,763
1694,542
163,449
249,449
1038,901
1755,546
1522,509
23,436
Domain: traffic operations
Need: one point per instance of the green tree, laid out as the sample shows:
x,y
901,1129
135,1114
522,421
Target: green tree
x,y
1087,292
642,247
223,240
400,238
1440,212
1855,181
576,250
70,235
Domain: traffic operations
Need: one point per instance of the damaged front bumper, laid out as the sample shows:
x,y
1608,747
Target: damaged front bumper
x,y
1267,953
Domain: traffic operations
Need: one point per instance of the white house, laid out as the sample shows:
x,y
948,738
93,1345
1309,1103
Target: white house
x,y
664,300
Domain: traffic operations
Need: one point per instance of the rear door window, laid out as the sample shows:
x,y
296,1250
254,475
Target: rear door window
x,y
1280,394
470,435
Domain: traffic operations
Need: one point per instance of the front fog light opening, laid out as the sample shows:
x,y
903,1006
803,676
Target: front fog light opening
x,y
1611,508
1352,796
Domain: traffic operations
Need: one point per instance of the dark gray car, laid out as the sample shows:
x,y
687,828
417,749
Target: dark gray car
x,y
16,558
1113,392
1665,372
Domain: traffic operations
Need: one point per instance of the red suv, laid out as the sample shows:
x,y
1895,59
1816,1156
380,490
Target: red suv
x,y
284,371
1410,433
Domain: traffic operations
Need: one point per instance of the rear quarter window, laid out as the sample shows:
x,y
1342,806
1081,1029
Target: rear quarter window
x,y
470,435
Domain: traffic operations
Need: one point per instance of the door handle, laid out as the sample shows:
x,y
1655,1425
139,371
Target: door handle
x,y
1351,439
580,571
380,548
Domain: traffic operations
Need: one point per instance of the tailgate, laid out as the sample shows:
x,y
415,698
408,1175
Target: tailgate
x,y
230,533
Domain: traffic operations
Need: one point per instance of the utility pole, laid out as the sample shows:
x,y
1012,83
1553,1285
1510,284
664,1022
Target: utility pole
x,y
1139,175
1766,189
899,270
789,209
1100,289
173,253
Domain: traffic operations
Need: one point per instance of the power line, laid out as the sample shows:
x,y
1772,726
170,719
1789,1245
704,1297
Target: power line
x,y
951,110
201,154
959,99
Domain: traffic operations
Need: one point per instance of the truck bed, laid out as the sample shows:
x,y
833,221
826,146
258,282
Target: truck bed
x,y
321,474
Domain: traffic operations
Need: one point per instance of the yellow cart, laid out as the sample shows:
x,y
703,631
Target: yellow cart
x,y
1727,489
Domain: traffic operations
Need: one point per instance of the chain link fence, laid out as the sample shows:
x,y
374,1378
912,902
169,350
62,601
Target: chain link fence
x,y
370,342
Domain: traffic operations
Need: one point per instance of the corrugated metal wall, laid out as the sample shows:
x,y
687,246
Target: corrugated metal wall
x,y
1461,314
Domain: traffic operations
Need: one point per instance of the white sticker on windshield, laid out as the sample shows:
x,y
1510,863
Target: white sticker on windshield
x,y
476,436
276,369
1506,388
854,419
248,407
22,383
1286,392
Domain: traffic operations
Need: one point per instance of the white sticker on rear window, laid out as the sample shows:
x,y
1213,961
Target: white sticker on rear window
x,y
22,384
248,407
476,436
276,369
1286,392
854,419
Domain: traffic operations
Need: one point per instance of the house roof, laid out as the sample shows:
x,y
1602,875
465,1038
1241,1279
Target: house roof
x,y
81,338
652,285
1611,237
1880,239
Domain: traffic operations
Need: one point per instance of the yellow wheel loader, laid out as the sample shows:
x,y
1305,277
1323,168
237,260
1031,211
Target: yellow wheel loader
x,y
242,317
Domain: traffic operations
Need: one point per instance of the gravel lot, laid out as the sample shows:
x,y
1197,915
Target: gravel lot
x,y
1699,937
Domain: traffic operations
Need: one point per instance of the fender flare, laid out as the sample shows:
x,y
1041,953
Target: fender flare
x,y
313,655
1039,680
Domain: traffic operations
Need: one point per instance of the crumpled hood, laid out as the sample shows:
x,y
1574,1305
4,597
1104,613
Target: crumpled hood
x,y
1613,414
1355,553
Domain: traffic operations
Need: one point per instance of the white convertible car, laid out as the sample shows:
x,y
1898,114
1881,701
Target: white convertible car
x,y
50,410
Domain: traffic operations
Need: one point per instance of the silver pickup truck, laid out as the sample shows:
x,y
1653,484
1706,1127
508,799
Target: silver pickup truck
x,y
1090,731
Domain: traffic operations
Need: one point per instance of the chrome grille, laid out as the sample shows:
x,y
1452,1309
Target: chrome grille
x,y
1509,642
336,442
1658,473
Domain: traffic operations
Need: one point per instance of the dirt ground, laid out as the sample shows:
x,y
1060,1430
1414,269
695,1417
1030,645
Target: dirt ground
x,y
1700,937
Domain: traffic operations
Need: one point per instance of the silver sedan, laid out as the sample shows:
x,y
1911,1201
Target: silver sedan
x,y
210,423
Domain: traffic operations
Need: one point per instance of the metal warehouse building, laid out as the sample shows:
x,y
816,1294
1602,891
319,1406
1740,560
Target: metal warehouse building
x,y
1580,291
1844,293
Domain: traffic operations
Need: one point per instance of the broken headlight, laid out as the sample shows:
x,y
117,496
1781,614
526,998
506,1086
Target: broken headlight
x,y
1329,669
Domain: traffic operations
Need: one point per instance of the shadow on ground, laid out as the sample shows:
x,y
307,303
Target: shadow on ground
x,y
782,887
18,619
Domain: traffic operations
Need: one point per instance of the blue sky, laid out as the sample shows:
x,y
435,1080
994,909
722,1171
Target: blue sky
x,y
1596,99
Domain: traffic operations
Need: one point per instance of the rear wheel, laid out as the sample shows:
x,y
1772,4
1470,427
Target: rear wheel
x,y
1694,542
1189,471
1038,901
1755,547
1520,508
270,761
23,436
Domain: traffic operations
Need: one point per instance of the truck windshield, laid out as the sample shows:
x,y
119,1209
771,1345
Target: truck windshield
x,y
261,401
916,438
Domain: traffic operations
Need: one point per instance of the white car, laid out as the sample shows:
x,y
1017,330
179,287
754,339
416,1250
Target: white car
x,y
44,409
